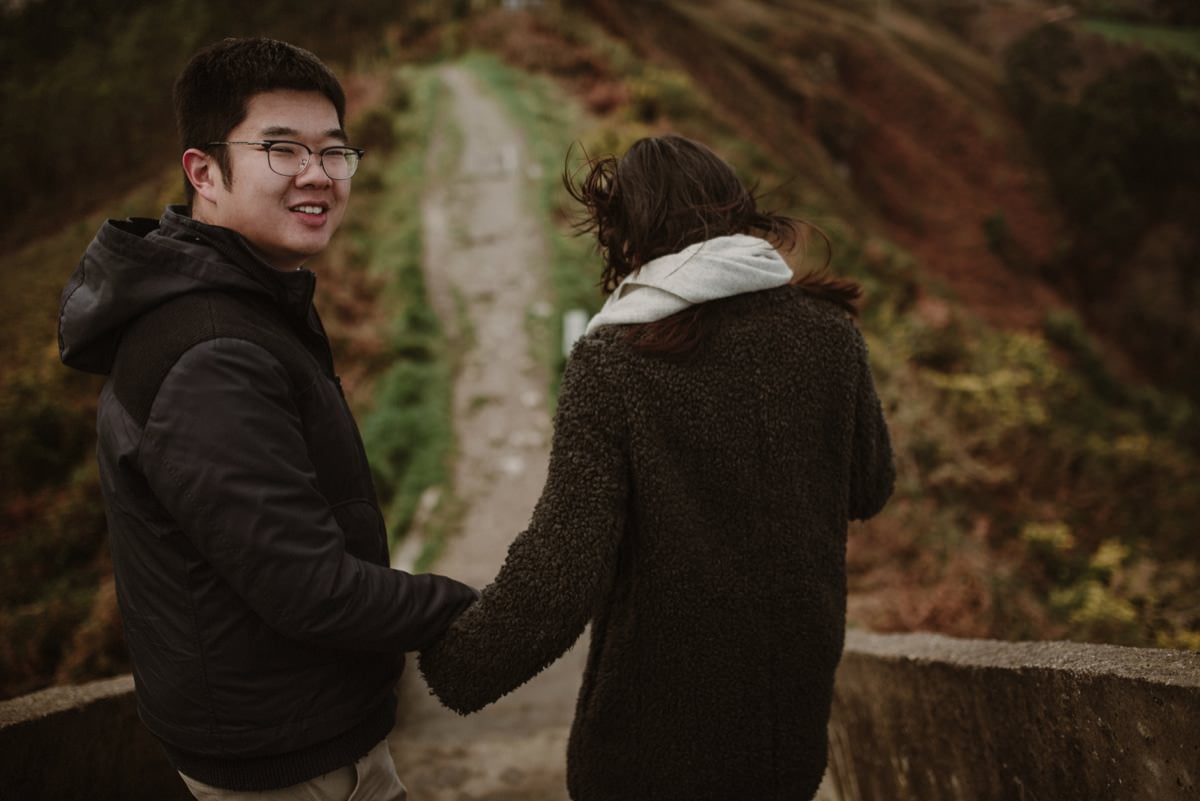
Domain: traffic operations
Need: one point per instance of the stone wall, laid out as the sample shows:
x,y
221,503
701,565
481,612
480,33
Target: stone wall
x,y
920,717
82,742
916,717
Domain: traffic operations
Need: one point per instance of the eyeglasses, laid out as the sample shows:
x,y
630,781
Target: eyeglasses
x,y
289,159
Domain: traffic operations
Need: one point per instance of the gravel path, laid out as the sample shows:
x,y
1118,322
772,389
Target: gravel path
x,y
485,261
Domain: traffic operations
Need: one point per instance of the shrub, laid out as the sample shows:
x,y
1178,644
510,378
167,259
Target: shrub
x,y
1119,150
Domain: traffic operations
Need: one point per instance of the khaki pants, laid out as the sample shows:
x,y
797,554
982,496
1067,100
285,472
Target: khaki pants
x,y
372,778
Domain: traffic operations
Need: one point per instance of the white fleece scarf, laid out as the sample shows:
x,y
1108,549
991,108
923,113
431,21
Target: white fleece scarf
x,y
708,270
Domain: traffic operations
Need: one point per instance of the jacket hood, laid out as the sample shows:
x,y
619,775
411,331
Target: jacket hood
x,y
134,265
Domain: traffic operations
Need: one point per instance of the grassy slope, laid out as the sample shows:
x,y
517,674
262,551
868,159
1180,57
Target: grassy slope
x,y
1018,461
57,609
1184,41
1020,453
1114,115
906,119
409,432
56,598
57,604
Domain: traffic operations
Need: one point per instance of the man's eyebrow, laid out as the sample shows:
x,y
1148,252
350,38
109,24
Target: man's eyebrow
x,y
283,130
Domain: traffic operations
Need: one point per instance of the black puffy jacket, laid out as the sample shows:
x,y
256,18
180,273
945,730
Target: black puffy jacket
x,y
266,628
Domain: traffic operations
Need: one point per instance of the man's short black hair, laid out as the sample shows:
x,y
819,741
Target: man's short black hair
x,y
214,89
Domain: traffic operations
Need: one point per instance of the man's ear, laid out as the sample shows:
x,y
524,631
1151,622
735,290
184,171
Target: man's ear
x,y
202,171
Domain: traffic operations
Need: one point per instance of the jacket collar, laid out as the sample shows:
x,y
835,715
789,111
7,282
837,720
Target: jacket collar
x,y
292,290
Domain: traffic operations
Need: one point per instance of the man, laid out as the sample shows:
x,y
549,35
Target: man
x,y
265,626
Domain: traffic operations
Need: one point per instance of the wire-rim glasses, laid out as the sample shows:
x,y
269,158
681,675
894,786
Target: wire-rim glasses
x,y
289,159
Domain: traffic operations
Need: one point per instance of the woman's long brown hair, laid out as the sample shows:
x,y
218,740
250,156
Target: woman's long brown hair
x,y
668,192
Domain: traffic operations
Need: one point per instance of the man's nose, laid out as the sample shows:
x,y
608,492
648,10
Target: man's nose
x,y
313,173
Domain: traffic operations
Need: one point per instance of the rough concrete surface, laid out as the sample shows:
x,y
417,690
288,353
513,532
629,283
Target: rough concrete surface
x,y
931,718
82,742
915,717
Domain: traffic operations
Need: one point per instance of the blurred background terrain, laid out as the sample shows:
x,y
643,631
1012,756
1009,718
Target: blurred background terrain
x,y
1015,183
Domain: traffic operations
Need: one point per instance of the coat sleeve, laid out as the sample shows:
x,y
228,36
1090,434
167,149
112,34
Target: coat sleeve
x,y
561,566
872,472
225,454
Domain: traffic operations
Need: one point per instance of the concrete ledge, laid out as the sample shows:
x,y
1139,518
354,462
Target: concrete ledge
x,y
82,742
916,717
931,718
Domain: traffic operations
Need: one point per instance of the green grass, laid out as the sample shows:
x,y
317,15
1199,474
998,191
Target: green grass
x,y
409,432
1178,40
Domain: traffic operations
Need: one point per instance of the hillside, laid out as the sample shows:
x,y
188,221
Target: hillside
x,y
900,127
1015,308
1027,154
1048,488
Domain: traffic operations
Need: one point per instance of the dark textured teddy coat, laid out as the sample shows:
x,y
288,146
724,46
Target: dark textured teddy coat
x,y
695,513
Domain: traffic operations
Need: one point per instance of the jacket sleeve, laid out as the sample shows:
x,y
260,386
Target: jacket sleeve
x,y
561,566
224,452
872,473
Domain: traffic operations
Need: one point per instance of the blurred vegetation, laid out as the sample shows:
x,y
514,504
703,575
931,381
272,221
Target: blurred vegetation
x,y
52,526
955,15
87,86
61,59
1183,41
409,433
1042,492
1117,126
57,606
1040,495
1174,12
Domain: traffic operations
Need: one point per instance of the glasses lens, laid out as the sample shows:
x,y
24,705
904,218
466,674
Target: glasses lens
x,y
339,162
286,158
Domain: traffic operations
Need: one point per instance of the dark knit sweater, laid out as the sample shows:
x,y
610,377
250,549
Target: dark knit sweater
x,y
695,513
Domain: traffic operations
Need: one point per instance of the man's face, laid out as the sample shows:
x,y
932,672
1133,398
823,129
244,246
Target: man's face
x,y
287,219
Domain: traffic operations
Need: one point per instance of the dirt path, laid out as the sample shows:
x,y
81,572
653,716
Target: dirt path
x,y
484,262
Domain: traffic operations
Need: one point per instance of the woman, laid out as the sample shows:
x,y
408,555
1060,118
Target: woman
x,y
716,429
